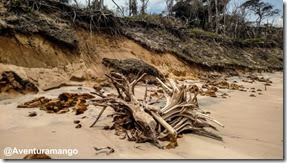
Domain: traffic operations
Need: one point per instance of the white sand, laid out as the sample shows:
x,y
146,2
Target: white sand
x,y
253,129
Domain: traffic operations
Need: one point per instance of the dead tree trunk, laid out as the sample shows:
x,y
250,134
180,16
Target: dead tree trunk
x,y
97,4
209,15
119,8
216,17
144,6
169,5
133,7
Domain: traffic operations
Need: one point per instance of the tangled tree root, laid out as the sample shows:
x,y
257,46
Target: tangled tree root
x,y
141,121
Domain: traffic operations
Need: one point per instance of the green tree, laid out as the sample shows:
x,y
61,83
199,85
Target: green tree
x,y
262,9
206,14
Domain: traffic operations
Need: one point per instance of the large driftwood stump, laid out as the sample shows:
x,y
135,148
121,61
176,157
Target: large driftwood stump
x,y
140,120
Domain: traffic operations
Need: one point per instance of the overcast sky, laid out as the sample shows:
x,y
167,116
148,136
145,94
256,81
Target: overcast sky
x,y
157,6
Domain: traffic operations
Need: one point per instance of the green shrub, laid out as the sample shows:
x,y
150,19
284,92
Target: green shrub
x,y
254,40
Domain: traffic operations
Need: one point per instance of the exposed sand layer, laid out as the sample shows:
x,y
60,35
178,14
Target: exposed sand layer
x,y
37,59
253,128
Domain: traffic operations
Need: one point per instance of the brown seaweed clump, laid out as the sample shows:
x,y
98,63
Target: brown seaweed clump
x,y
61,104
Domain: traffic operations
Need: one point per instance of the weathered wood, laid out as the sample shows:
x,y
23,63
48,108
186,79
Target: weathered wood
x,y
100,114
180,113
167,126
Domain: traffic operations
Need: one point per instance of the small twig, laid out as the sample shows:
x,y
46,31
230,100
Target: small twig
x,y
75,15
109,150
164,85
145,94
119,92
98,94
138,147
100,114
91,20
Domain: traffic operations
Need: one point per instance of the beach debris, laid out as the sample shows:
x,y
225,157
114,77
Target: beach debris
x,y
60,104
204,86
224,95
211,91
32,114
234,86
78,126
100,114
107,150
81,106
242,90
252,90
252,95
138,147
141,121
106,127
37,102
101,83
76,121
221,84
63,111
259,79
36,156
62,85
265,85
10,82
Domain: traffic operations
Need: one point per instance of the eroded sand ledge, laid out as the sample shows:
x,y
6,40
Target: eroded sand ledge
x,y
253,128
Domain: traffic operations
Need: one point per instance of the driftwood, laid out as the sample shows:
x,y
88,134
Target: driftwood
x,y
61,85
11,82
108,150
141,121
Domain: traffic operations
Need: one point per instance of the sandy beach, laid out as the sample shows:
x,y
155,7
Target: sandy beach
x,y
253,128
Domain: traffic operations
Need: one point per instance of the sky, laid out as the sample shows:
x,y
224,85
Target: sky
x,y
157,6
278,4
